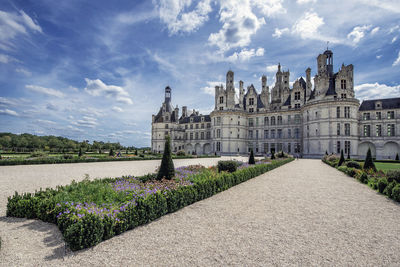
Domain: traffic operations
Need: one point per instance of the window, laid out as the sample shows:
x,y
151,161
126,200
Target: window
x,y
186,135
343,84
186,126
289,118
197,126
296,105
289,133
272,134
250,134
221,108
251,110
202,126
378,115
256,121
338,129
297,119
297,133
343,96
272,120
256,134
191,126
279,120
166,126
289,148
297,148
297,96
266,134
218,133
221,100
202,135
338,147
266,121
208,135
347,129
337,112
197,136
279,133
218,146
265,147
390,130
390,115
251,101
208,125
367,130
347,147
251,122
347,112
378,130
280,147
218,120
366,116
191,136
272,147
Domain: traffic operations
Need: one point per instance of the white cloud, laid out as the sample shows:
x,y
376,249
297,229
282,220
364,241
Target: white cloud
x,y
375,30
269,7
358,33
397,61
23,71
173,13
245,55
307,26
8,112
88,122
378,56
5,59
376,91
117,109
272,68
394,39
14,24
44,90
278,32
239,24
300,2
51,106
210,88
45,122
99,88
394,28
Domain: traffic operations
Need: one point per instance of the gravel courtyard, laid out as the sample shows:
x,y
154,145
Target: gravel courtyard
x,y
303,213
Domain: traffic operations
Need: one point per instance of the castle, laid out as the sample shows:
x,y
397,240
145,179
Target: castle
x,y
300,120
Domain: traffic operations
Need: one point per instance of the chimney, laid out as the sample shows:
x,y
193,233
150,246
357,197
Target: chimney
x,y
176,114
184,111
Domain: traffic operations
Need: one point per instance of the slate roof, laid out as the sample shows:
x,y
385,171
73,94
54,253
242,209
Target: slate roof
x,y
259,102
331,89
288,100
196,118
388,103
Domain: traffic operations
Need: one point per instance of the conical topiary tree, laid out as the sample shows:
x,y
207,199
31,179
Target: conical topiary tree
x,y
136,152
369,163
397,156
326,152
251,158
80,152
341,160
111,153
272,154
167,168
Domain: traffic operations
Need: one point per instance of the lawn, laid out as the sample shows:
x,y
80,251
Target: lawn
x,y
385,166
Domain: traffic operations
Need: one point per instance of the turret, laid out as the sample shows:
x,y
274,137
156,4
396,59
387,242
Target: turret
x,y
229,80
230,90
264,91
167,94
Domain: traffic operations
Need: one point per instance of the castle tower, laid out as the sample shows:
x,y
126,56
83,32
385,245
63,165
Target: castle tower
x,y
230,90
241,94
264,91
167,94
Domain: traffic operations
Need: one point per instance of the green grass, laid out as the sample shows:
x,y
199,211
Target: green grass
x,y
385,166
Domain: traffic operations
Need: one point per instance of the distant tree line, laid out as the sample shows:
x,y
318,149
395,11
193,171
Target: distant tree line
x,y
29,143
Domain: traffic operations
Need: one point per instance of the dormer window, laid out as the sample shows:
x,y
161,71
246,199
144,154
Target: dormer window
x,y
191,119
343,84
378,105
297,96
221,100
251,101
202,119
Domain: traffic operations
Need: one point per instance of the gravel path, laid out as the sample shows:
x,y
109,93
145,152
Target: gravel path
x,y
303,213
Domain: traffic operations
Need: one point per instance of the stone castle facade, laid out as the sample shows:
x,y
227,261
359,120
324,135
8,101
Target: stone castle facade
x,y
301,120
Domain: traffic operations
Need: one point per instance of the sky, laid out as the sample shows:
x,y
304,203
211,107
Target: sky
x,y
96,70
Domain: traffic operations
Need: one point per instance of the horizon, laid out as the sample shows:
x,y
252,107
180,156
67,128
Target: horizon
x,y
98,71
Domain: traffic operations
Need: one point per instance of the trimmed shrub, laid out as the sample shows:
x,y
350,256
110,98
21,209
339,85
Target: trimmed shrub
x,y
389,188
342,169
167,169
68,156
326,152
396,192
382,184
393,175
351,172
251,158
368,163
341,158
397,157
272,155
353,164
111,153
363,178
80,152
227,165
181,153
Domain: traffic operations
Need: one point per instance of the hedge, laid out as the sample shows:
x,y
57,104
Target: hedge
x,y
55,160
388,185
87,231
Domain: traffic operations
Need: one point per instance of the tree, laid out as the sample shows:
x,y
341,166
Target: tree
x,y
341,158
369,163
136,152
80,152
397,156
111,153
251,158
272,155
167,168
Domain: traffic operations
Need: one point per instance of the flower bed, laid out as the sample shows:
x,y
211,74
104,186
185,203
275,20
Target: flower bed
x,y
387,183
89,212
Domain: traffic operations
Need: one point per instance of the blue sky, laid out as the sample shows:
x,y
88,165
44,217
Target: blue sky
x,y
97,70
